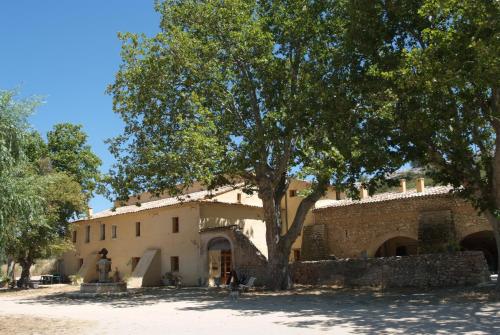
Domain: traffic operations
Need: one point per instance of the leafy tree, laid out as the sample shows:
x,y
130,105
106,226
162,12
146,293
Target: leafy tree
x,y
259,92
438,63
36,202
17,200
69,152
46,235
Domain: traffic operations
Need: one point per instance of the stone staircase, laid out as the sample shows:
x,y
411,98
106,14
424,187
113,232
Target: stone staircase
x,y
147,271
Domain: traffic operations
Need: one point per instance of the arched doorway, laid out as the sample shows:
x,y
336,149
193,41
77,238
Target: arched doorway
x,y
483,241
397,246
219,260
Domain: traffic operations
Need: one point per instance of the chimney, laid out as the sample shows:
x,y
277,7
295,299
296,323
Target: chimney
x,y
402,183
420,185
91,212
363,193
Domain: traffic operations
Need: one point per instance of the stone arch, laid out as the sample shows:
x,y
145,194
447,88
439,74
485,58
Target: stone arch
x,y
220,258
484,241
374,246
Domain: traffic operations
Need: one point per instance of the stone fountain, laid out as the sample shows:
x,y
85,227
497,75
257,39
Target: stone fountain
x,y
104,284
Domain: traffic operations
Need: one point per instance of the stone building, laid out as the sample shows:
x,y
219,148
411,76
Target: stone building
x,y
419,221
201,235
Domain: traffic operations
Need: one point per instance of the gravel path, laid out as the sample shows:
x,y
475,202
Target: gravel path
x,y
200,311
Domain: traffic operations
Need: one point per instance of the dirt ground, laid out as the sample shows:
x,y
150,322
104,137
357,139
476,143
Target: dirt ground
x,y
55,310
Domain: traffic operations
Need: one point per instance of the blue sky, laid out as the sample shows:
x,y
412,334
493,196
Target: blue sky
x,y
68,52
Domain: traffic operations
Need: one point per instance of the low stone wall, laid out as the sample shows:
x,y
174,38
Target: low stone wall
x,y
431,270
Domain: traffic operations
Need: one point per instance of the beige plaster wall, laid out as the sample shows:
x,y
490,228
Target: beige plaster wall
x,y
156,233
232,197
289,207
249,219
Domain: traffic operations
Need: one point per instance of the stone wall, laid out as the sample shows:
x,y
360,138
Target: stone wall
x,y
314,242
431,270
360,229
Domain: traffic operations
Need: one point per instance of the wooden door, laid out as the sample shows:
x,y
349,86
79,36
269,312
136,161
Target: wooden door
x,y
225,265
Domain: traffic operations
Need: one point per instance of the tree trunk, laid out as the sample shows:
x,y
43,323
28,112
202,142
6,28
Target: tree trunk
x,y
495,224
278,271
277,264
25,273
279,246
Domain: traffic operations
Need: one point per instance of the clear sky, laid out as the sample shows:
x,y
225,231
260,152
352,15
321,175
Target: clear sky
x,y
68,52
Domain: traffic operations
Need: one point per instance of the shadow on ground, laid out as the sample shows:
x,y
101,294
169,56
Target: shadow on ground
x,y
451,311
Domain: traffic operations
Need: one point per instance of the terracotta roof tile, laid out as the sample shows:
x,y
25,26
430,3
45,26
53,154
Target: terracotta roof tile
x,y
388,196
200,196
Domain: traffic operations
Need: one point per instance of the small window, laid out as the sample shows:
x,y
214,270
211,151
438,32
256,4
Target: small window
x,y
87,234
174,263
135,261
175,225
113,231
74,236
137,229
337,195
296,255
238,198
293,193
80,263
102,231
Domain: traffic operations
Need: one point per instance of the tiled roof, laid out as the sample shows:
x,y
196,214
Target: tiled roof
x,y
187,198
428,191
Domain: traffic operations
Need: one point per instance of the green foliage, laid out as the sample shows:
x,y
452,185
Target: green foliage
x,y
443,84
19,197
69,152
38,198
240,90
259,92
392,183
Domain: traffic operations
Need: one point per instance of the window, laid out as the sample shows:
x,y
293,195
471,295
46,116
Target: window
x,y
238,197
296,255
135,261
174,263
293,193
87,234
175,225
80,263
74,236
113,231
137,229
337,195
102,232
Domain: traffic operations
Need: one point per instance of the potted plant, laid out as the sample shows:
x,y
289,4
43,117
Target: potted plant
x,y
75,279
4,281
168,279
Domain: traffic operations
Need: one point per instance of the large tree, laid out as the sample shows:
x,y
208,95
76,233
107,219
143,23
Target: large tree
x,y
39,194
252,91
442,83
17,198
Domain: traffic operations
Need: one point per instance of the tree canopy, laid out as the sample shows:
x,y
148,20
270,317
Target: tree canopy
x,y
259,92
440,71
39,194
69,152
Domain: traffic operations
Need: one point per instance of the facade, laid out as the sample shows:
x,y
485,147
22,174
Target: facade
x,y
201,235
419,221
